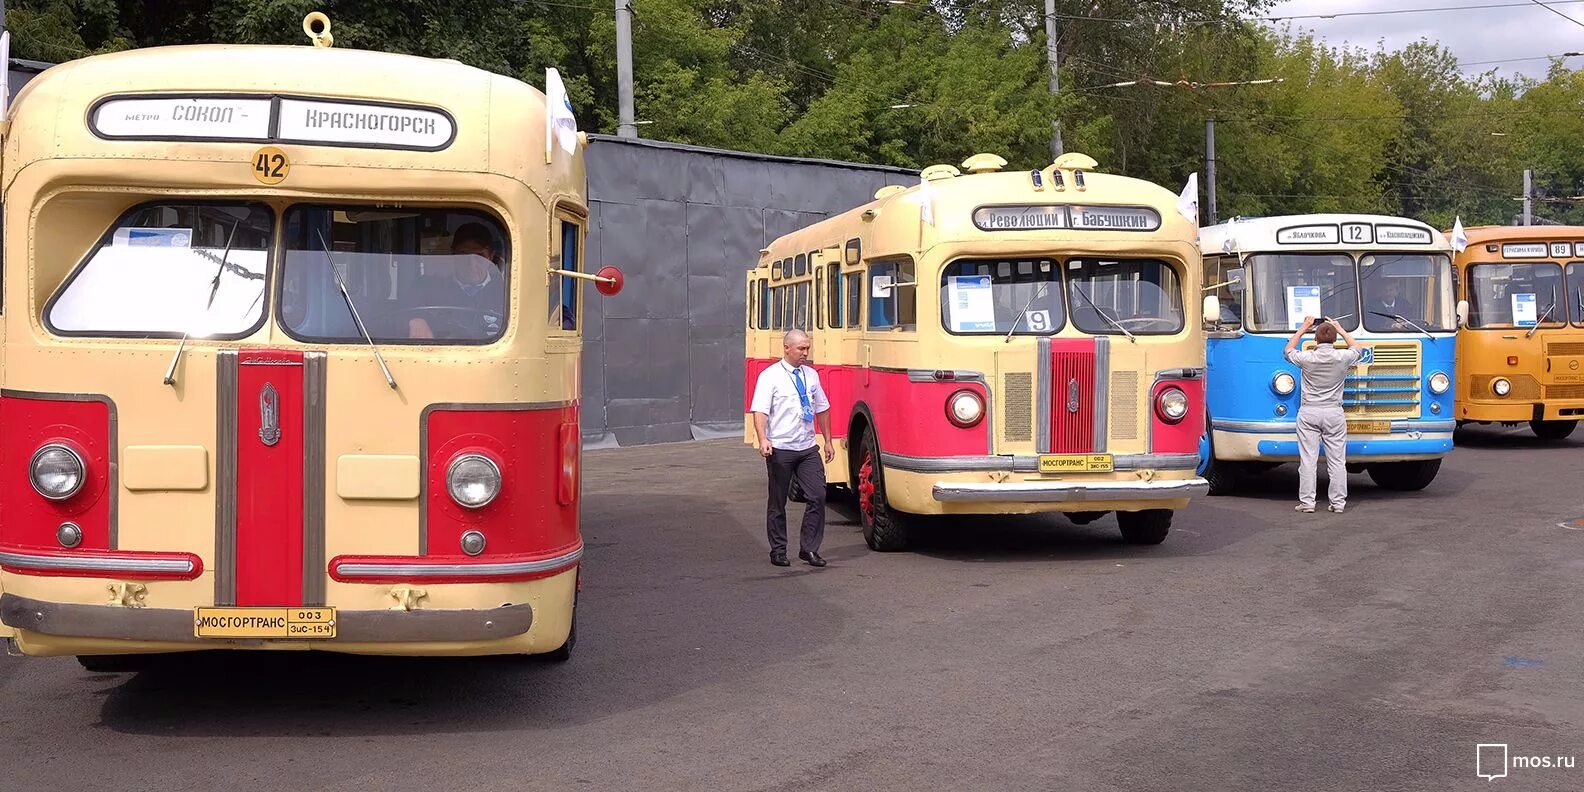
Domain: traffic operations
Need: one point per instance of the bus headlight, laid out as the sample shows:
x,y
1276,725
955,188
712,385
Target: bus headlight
x,y
1172,405
57,472
473,480
1500,386
1439,383
1283,383
965,409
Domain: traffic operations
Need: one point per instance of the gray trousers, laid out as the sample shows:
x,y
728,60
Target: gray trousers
x,y
809,469
1317,425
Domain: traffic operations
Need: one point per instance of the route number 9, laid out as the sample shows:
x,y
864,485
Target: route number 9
x,y
270,165
1038,321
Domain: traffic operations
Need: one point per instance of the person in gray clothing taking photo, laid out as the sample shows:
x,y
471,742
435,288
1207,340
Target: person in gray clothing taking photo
x,y
1320,419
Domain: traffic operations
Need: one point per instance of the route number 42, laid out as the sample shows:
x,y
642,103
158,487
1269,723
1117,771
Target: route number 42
x,y
270,165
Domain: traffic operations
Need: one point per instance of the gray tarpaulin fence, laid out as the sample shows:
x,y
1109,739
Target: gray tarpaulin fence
x,y
663,360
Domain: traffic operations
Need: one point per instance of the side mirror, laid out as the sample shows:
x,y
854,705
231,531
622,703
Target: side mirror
x,y
881,286
610,281
1462,312
1212,310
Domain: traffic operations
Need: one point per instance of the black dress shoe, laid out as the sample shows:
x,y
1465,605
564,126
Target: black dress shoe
x,y
813,559
779,559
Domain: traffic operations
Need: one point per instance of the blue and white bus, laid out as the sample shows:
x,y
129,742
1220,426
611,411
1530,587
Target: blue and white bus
x,y
1389,282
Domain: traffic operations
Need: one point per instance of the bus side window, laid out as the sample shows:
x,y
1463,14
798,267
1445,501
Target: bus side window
x,y
1221,272
563,290
753,310
895,305
819,303
833,295
763,288
854,298
800,317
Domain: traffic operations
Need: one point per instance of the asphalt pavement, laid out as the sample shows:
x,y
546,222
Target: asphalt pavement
x,y
1256,649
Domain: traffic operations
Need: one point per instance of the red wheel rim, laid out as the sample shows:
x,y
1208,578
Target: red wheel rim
x,y
866,488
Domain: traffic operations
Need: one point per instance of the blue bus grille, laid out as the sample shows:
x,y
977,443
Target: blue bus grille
x,y
1386,387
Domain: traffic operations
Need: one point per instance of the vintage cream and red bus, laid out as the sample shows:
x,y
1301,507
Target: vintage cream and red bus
x,y
290,357
1000,343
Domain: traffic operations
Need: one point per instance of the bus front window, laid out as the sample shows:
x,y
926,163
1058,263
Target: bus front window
x,y
1516,295
1575,283
169,269
1407,293
998,297
414,275
1286,287
1138,296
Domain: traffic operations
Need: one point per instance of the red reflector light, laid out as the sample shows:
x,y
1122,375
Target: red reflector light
x,y
945,375
1512,360
571,447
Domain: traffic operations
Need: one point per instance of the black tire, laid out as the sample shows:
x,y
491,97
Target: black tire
x,y
884,528
1404,476
1147,527
1085,517
1224,477
1553,430
114,664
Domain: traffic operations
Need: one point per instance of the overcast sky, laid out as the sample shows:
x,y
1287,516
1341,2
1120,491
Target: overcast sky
x,y
1521,31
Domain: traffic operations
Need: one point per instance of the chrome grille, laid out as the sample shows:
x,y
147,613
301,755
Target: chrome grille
x,y
1124,405
1388,386
1017,407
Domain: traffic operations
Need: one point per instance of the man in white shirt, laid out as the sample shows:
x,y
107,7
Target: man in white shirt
x,y
1320,417
787,403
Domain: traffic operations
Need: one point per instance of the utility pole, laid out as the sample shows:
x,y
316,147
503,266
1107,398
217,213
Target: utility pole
x,y
624,71
1055,78
1210,163
1528,217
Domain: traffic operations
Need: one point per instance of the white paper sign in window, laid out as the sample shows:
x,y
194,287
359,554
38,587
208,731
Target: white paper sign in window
x,y
346,123
1523,310
1302,301
972,309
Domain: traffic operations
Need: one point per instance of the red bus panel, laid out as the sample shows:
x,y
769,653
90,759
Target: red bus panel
x,y
269,516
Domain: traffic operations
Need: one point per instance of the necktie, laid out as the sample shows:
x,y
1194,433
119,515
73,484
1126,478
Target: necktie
x,y
803,399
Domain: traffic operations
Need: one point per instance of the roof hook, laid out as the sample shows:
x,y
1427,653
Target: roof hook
x,y
317,26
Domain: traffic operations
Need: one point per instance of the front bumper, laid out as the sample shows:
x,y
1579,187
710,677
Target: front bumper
x,y
173,626
1277,441
1071,491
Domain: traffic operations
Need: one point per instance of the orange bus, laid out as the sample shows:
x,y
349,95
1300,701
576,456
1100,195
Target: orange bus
x,y
1520,355
288,362
999,343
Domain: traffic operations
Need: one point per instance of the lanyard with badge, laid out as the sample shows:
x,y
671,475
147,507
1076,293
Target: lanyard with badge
x,y
803,397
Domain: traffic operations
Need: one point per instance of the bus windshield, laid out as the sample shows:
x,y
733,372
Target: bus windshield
x,y
1138,296
1286,287
414,275
998,297
1516,295
1407,293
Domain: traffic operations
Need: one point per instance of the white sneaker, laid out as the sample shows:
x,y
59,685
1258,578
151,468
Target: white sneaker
x,y
1305,509
1334,508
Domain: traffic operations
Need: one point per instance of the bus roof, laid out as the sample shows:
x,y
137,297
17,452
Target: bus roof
x,y
1477,234
894,222
1321,232
496,123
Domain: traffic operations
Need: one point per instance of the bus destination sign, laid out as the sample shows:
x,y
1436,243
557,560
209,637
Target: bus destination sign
x,y
1524,250
1308,235
1402,235
273,119
1020,218
1115,218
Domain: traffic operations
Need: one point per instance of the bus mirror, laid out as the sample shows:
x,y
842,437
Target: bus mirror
x,y
881,285
1212,309
1462,312
610,281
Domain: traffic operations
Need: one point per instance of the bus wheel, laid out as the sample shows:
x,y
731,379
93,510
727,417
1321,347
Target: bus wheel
x,y
1223,476
114,664
1553,430
883,527
1148,527
1405,476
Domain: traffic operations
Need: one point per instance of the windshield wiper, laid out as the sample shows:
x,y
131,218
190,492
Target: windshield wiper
x,y
357,320
214,288
1103,314
1016,320
1405,320
1541,320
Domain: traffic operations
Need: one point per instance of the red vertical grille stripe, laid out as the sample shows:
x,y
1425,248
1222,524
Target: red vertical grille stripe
x,y
269,541
1072,431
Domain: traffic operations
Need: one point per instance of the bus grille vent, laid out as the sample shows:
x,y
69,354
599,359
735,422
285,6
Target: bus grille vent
x,y
1564,392
1124,405
1396,354
1565,348
1017,396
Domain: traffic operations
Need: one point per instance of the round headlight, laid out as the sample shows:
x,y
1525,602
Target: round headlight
x,y
1500,386
965,408
1439,383
474,480
1283,383
57,472
1172,405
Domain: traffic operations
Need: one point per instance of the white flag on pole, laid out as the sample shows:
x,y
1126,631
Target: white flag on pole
x,y
5,82
1459,237
1229,242
560,124
1188,199
926,199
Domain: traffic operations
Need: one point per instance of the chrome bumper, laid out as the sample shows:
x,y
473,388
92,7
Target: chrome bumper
x,y
1071,491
